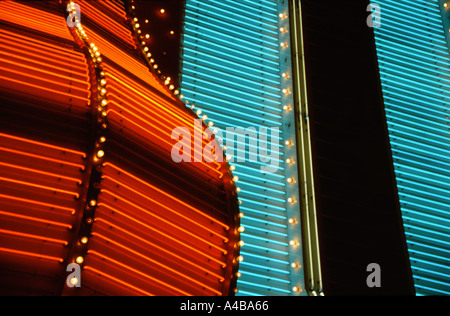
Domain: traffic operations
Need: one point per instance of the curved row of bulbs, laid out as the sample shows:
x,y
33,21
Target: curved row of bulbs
x,y
102,110
148,54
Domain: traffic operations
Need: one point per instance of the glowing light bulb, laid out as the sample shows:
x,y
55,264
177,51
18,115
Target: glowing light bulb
x,y
241,215
233,167
74,281
296,289
235,178
84,240
241,243
93,203
147,36
240,258
238,274
241,229
79,260
162,11
238,189
290,180
100,153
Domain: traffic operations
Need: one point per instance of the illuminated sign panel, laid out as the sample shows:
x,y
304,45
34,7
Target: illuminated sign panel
x,y
414,67
236,70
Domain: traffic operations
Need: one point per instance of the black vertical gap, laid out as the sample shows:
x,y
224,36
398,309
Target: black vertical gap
x,y
358,210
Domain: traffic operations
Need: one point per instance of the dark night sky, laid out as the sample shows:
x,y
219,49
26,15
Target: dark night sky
x,y
163,45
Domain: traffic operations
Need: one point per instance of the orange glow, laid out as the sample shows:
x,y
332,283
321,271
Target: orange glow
x,y
35,79
15,198
112,6
27,45
154,262
152,187
145,196
142,274
163,139
161,106
63,162
147,227
13,12
41,238
113,26
78,181
31,254
48,90
126,61
162,249
36,219
35,185
33,60
110,277
135,206
82,86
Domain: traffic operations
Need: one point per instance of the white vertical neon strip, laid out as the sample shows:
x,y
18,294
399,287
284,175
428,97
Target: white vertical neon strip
x,y
231,70
414,64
